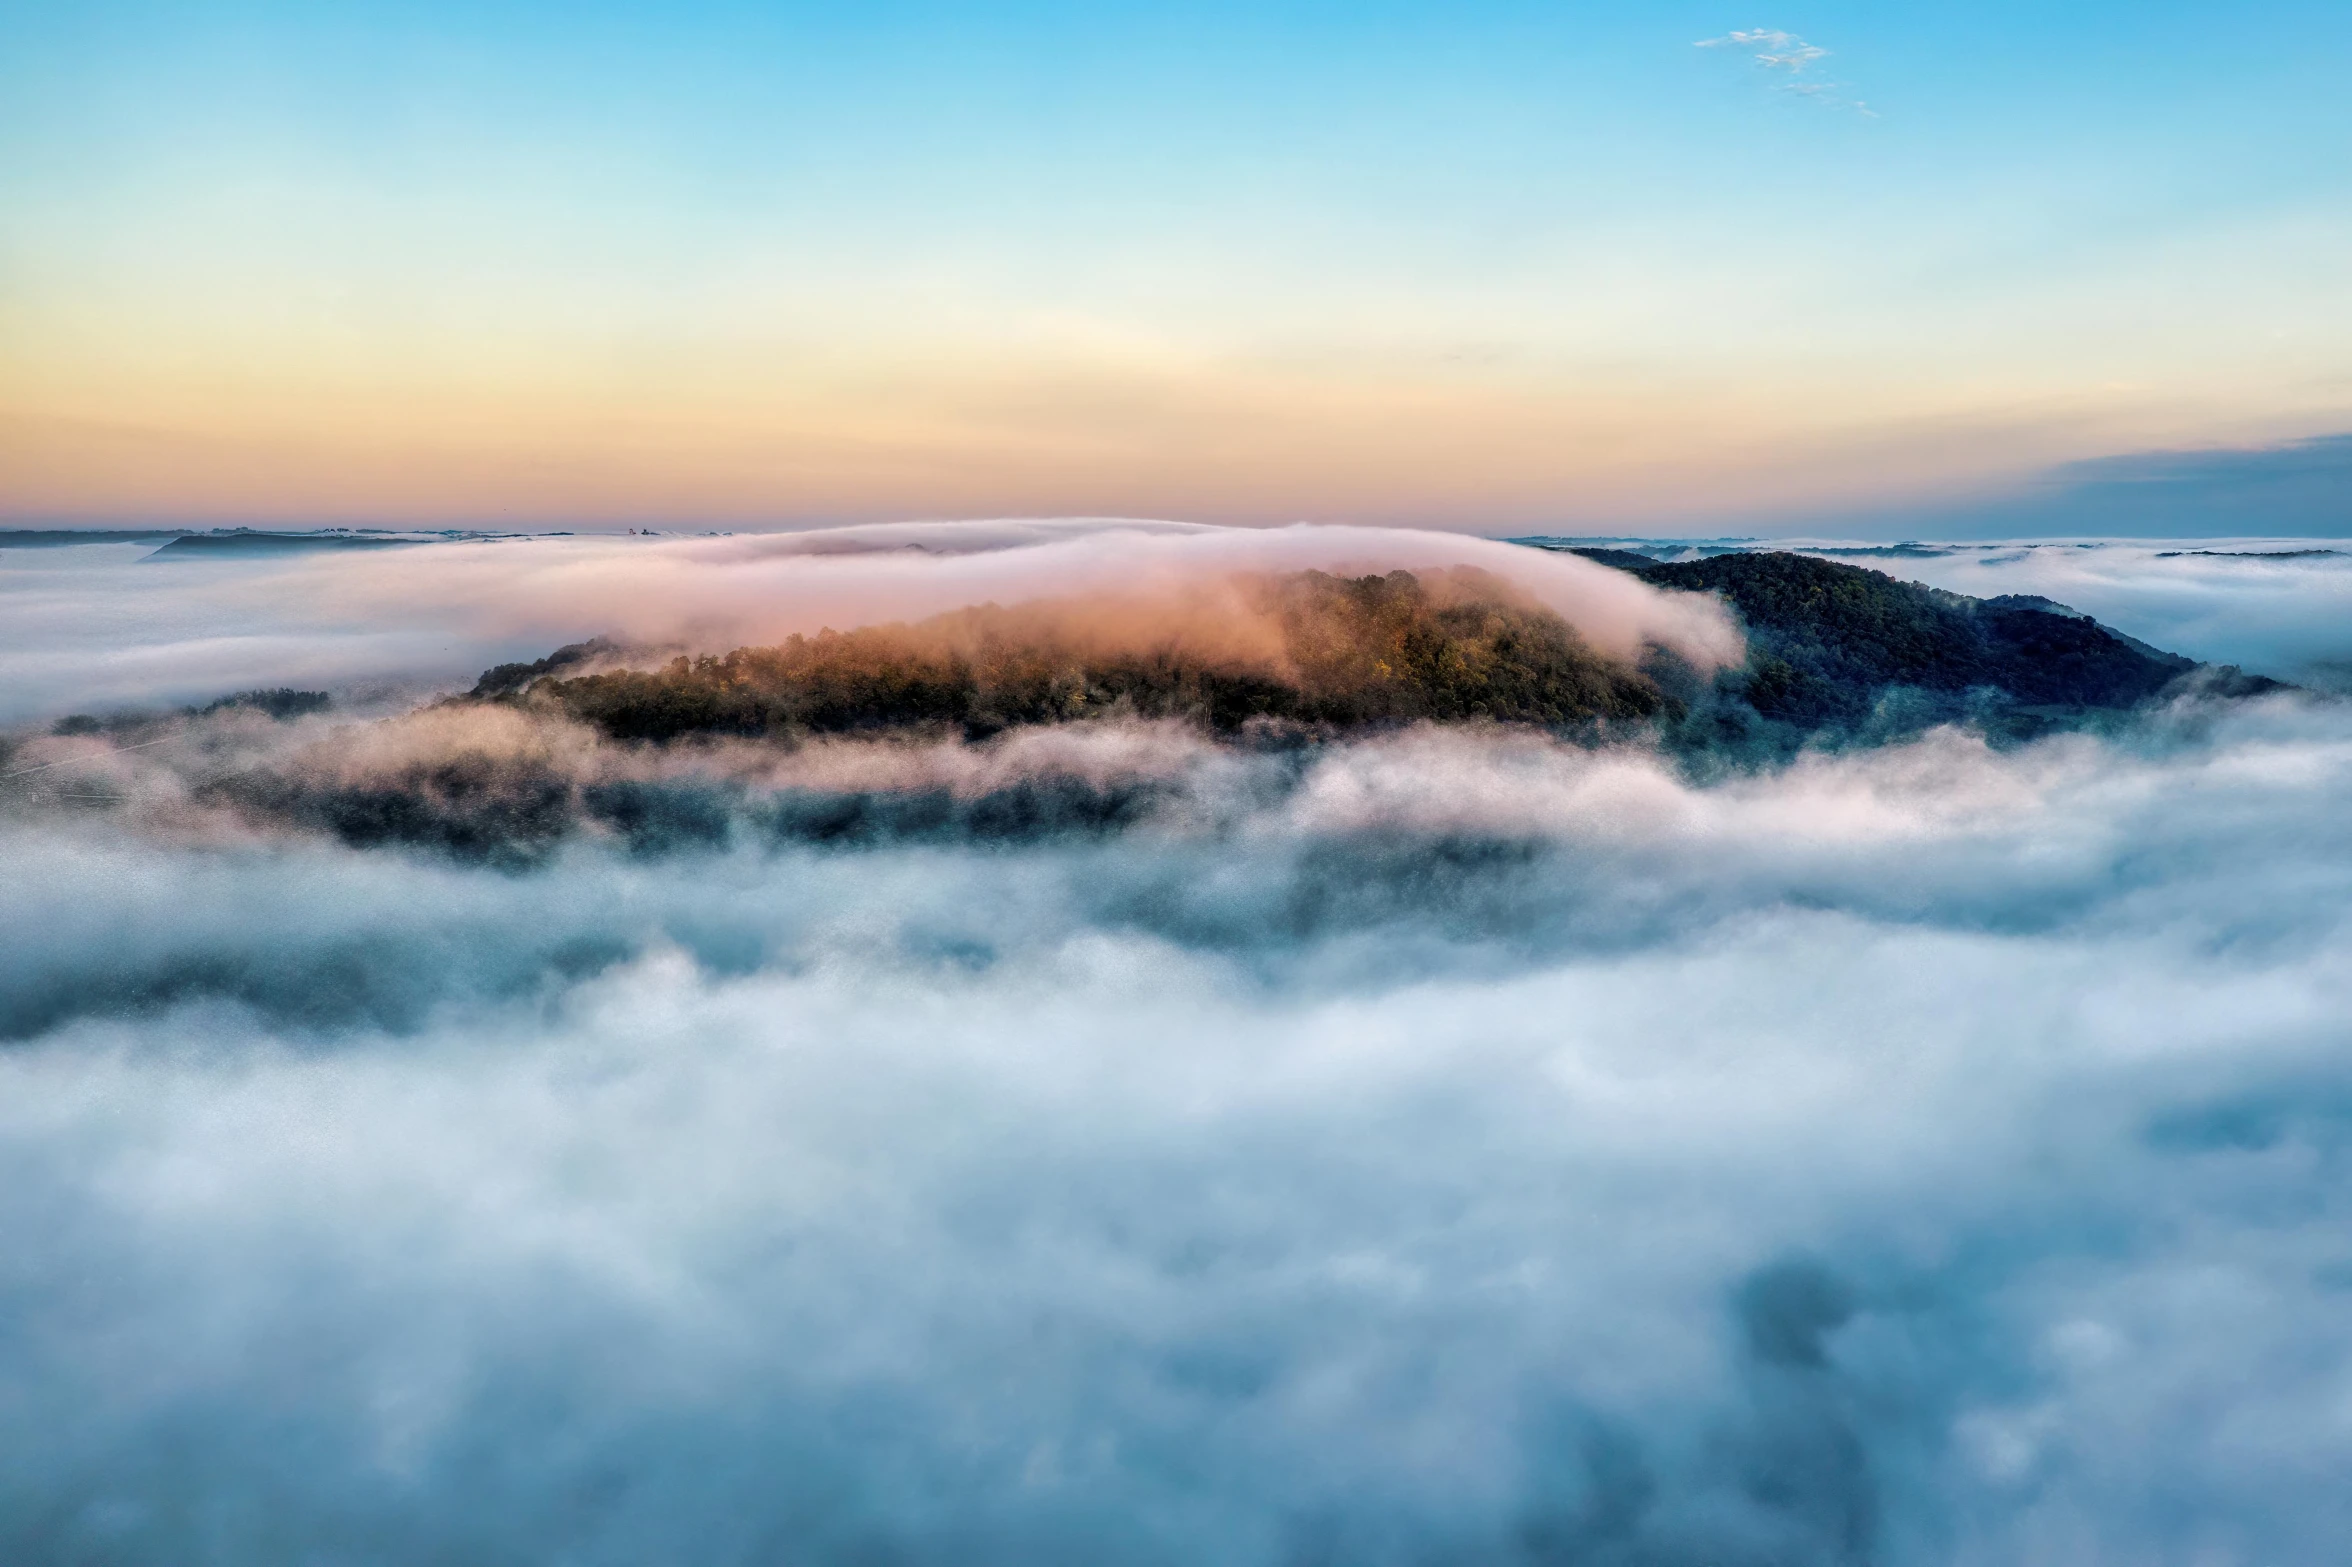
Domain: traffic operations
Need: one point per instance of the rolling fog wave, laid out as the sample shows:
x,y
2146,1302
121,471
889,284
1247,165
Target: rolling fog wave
x,y
1447,1146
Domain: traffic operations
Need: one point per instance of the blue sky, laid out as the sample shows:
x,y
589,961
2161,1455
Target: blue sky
x,y
1488,266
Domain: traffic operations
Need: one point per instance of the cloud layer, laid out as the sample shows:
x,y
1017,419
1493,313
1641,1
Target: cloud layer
x,y
1446,1146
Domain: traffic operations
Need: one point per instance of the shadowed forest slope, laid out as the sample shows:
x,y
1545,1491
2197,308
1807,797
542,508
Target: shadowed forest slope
x,y
1829,643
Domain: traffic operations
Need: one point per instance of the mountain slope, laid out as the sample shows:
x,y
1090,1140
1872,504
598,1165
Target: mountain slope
x,y
1828,641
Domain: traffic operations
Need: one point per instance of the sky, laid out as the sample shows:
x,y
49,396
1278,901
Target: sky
x,y
1485,267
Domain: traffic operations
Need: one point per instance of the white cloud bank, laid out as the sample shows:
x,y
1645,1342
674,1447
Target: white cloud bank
x,y
1445,1147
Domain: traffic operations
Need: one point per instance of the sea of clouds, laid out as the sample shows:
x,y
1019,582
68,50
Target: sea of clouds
x,y
1443,1147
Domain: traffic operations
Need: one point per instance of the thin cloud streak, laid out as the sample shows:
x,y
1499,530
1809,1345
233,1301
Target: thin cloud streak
x,y
1772,49
1775,50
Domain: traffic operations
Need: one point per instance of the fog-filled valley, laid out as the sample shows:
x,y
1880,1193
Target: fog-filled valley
x,y
445,1123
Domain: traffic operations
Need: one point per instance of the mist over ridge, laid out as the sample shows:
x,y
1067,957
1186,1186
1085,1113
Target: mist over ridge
x,y
441,1128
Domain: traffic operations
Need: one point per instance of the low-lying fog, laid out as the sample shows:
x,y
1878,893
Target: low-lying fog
x,y
1440,1147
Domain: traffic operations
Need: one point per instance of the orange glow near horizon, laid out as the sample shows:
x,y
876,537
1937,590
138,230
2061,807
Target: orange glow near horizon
x,y
347,279
832,436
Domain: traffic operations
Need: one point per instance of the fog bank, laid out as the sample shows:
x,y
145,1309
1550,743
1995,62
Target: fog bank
x,y
1462,1148
1104,1145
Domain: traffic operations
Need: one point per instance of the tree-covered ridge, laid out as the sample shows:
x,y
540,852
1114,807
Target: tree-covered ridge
x,y
1835,651
1827,641
1344,651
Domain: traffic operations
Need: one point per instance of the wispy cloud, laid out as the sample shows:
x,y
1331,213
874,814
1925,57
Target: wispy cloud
x,y
1784,52
1773,48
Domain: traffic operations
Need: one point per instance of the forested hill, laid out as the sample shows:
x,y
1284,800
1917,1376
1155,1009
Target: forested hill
x,y
1835,651
1351,651
1830,643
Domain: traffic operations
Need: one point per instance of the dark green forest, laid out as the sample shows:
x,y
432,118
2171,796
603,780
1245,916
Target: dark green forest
x,y
1826,641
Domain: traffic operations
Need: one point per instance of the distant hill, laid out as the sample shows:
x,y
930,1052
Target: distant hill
x,y
61,538
245,543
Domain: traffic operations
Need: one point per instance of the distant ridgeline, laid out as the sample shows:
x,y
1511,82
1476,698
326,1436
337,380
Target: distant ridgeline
x,y
181,544
1834,651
